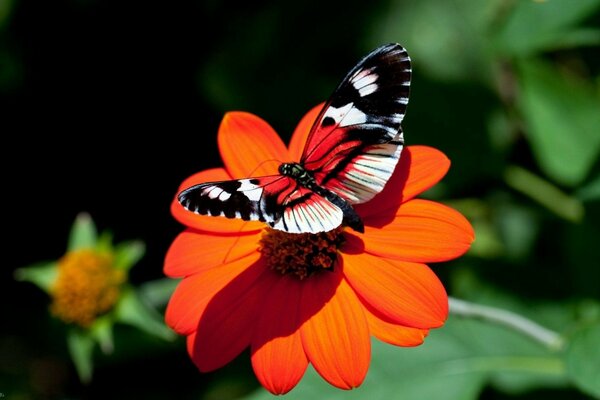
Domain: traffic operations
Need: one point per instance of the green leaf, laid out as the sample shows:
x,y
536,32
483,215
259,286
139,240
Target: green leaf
x,y
562,120
42,274
517,226
127,254
104,242
102,331
132,311
158,292
434,32
591,191
81,348
532,26
5,11
583,360
83,233
488,243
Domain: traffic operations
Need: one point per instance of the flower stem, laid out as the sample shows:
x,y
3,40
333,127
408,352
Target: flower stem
x,y
545,336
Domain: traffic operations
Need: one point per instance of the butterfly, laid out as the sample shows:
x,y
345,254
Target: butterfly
x,y
350,153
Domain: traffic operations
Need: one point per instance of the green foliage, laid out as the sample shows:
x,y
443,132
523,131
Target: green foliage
x,y
81,348
42,274
534,26
83,233
583,359
127,254
562,120
132,311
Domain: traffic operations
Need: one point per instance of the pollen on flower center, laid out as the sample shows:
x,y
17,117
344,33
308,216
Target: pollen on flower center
x,y
301,254
86,287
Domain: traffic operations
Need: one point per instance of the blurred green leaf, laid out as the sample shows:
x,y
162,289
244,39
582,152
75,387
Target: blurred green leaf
x,y
446,38
487,243
127,254
583,359
158,292
578,37
104,242
544,192
132,311
5,11
102,331
591,191
532,26
41,274
518,227
562,119
83,233
81,348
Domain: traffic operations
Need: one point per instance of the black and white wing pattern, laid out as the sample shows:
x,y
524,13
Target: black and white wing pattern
x,y
356,141
276,200
350,153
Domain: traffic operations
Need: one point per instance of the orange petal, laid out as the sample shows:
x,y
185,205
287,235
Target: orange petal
x,y
419,231
249,146
205,222
278,357
228,322
301,132
419,168
336,337
406,293
196,251
391,333
193,293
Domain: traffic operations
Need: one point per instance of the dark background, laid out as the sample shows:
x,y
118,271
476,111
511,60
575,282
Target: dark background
x,y
107,106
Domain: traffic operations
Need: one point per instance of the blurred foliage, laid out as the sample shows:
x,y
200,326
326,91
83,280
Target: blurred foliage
x,y
508,89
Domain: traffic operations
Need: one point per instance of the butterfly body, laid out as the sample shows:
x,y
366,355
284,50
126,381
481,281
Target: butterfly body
x,y
304,178
350,153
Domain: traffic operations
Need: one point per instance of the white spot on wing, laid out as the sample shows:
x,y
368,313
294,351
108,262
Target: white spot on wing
x,y
367,90
346,116
251,191
353,117
224,196
213,192
365,82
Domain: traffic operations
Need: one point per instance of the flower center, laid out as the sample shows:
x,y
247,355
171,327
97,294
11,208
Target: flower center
x,y
87,286
301,254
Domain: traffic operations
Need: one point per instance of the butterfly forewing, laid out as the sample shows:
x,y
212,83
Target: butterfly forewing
x,y
356,141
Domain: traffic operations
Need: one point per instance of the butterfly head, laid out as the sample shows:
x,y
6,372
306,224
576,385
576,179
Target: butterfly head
x,y
293,170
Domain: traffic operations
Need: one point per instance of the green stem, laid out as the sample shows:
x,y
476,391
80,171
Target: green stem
x,y
548,338
545,193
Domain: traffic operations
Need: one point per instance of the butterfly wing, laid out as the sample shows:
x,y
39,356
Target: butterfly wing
x,y
277,200
356,140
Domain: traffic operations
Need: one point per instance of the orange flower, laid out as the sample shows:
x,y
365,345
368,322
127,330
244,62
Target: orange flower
x,y
245,285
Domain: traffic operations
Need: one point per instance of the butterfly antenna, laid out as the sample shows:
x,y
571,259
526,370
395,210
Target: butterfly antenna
x,y
271,160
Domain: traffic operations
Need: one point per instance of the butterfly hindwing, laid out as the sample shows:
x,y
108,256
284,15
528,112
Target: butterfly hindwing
x,y
356,141
277,200
304,211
